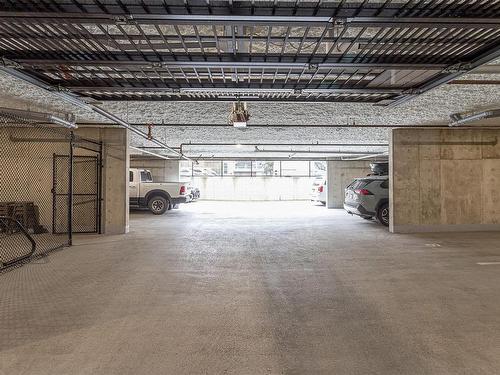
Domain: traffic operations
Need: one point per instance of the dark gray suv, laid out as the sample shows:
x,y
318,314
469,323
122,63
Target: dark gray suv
x,y
368,197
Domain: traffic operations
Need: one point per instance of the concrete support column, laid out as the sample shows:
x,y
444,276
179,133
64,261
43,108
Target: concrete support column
x,y
444,180
339,175
115,181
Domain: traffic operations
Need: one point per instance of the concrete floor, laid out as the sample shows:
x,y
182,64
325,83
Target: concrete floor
x,y
256,288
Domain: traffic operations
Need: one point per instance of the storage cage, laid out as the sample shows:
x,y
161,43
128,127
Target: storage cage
x,y
50,186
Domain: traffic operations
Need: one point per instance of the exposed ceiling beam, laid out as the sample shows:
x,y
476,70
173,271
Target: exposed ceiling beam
x,y
190,41
475,82
413,22
169,19
223,90
486,69
200,97
227,61
491,54
393,54
274,20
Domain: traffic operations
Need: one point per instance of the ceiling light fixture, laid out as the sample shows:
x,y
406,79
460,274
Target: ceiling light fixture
x,y
234,90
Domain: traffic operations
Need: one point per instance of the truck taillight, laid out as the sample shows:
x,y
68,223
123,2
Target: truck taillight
x,y
320,189
363,192
183,190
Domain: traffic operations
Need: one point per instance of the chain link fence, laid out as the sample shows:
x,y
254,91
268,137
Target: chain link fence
x,y
35,190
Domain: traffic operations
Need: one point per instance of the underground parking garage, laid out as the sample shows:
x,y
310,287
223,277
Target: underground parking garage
x,y
239,187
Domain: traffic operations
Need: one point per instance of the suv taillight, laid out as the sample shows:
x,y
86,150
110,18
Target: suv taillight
x,y
363,192
320,189
183,190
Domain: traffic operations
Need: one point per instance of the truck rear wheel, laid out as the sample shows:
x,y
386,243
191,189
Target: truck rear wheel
x,y
158,205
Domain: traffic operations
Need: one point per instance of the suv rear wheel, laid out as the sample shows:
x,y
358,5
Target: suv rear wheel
x,y
158,205
383,214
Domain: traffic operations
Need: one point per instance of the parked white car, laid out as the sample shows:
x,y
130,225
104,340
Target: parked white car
x,y
157,196
318,193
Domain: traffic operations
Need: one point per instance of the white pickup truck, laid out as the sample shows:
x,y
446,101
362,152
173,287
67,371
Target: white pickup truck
x,y
157,196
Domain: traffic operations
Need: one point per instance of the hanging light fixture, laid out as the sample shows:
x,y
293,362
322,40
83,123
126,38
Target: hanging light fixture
x,y
239,115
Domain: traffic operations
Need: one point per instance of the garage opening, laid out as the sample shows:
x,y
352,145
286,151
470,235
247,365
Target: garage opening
x,y
254,180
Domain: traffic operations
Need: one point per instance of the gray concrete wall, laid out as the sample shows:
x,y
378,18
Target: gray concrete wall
x,y
161,169
444,180
115,210
340,174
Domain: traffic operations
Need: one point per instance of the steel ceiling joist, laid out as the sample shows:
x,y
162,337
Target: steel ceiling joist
x,y
492,54
423,22
253,62
177,19
321,50
235,20
257,90
407,8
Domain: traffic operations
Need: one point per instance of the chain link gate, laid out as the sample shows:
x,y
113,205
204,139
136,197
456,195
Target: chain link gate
x,y
85,198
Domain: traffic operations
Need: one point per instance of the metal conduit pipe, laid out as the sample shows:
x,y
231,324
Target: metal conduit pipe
x,y
364,157
144,135
460,119
326,152
39,116
265,158
281,144
151,153
237,144
62,122
76,100
283,126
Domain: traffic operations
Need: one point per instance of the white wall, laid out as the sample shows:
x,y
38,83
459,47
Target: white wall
x,y
161,169
340,174
254,188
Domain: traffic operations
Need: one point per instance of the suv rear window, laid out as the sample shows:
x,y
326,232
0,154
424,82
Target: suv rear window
x,y
359,184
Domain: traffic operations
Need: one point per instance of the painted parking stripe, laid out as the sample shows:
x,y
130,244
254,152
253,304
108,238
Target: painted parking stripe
x,y
489,263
